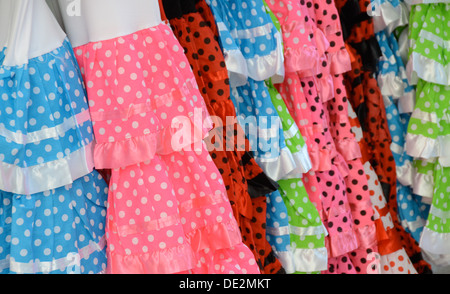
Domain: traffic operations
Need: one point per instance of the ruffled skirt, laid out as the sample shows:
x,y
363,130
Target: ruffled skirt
x,y
168,208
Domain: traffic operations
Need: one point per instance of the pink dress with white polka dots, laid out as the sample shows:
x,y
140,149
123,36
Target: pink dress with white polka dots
x,y
167,209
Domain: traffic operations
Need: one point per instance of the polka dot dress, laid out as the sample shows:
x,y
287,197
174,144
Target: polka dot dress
x,y
59,231
46,122
307,233
412,212
428,132
389,255
249,39
168,207
366,99
196,35
428,58
52,202
305,92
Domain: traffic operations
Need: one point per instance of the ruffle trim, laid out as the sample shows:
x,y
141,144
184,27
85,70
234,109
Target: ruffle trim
x,y
302,163
366,236
177,259
238,73
405,173
47,267
280,167
420,146
348,148
303,260
183,133
426,69
235,260
47,176
436,259
339,61
135,109
301,59
391,84
434,242
167,261
216,237
341,243
423,185
261,68
407,102
387,16
320,158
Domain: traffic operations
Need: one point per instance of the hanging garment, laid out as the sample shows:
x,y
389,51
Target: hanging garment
x,y
398,97
168,211
428,131
366,99
207,62
53,203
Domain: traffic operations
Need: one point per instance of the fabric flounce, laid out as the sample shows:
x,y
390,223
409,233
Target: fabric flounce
x,y
397,262
46,127
61,230
387,15
141,110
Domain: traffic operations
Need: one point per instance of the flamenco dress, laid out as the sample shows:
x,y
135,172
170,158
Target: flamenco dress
x,y
168,211
327,18
259,184
255,100
303,95
398,97
428,130
366,101
207,61
53,202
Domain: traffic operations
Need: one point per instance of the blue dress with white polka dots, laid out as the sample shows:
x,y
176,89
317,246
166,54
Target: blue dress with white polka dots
x,y
45,126
52,202
412,211
249,39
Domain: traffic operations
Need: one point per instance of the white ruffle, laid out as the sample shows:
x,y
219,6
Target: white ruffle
x,y
48,133
423,185
407,102
261,68
47,176
434,242
391,84
236,66
277,168
423,147
61,264
414,225
386,16
436,260
302,162
304,260
405,173
299,231
426,69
